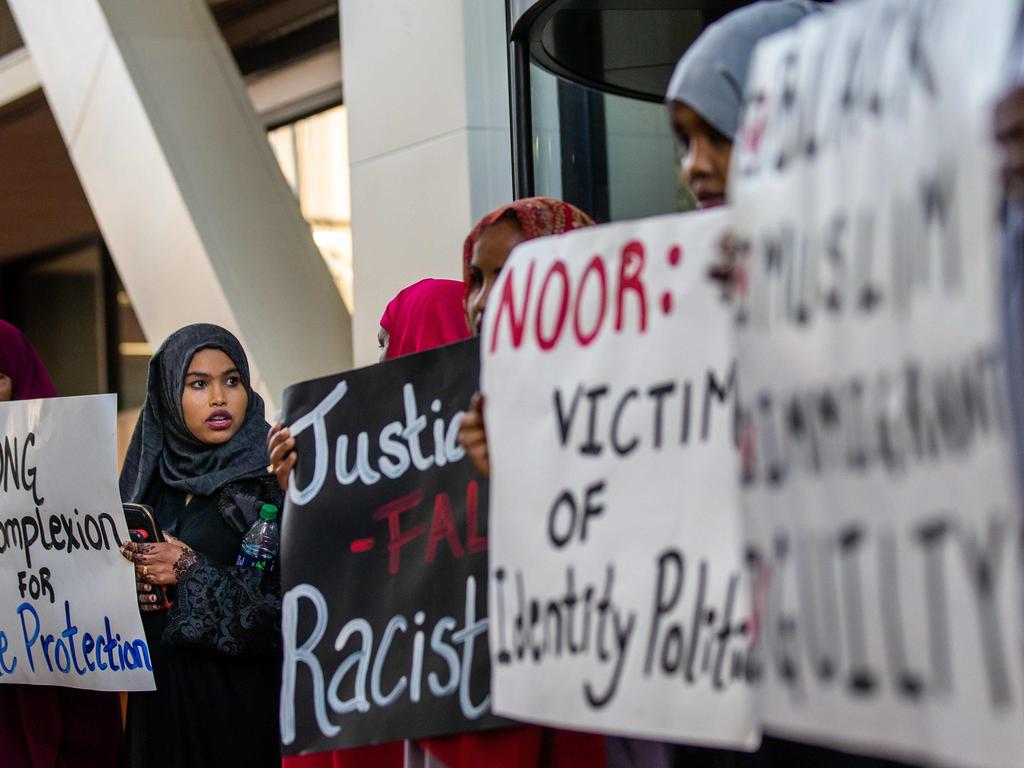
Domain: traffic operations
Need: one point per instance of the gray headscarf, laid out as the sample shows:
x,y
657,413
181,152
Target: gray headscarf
x,y
712,75
162,442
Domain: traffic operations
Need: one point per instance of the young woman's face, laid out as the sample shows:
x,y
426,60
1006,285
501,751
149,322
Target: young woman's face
x,y
6,388
214,399
490,253
706,154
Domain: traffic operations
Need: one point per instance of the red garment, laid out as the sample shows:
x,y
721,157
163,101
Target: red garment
x,y
19,361
425,315
44,725
525,746
390,755
537,217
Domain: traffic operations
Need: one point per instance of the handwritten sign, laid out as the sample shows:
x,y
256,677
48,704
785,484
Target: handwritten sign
x,y
617,598
384,558
883,528
68,611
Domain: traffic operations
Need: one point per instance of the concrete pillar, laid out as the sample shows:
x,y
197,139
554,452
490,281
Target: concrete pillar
x,y
179,174
426,86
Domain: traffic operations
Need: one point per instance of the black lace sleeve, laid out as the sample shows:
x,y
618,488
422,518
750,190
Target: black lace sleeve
x,y
234,610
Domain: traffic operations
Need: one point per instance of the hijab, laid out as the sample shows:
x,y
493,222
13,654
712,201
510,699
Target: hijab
x,y
711,77
537,217
19,361
162,444
425,315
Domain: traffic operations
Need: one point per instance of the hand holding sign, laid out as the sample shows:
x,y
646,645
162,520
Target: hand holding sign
x,y
473,436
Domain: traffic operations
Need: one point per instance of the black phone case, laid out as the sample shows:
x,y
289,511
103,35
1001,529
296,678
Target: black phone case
x,y
142,529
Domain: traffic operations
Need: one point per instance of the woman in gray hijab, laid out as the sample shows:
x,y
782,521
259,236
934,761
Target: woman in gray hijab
x,y
705,93
198,458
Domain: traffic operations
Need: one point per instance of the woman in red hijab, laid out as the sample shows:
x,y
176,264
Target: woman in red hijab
x,y
484,253
425,315
43,725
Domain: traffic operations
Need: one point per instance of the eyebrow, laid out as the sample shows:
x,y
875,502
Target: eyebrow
x,y
204,375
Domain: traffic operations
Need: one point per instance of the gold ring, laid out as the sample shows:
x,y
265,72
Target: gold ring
x,y
145,570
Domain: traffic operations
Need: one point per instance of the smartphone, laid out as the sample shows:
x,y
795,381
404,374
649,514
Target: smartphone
x,y
142,529
141,521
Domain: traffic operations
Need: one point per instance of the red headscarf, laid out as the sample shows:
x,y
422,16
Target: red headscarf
x,y
19,361
537,217
425,315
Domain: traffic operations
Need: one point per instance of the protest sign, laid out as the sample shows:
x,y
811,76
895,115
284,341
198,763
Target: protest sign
x,y
384,557
882,523
69,614
617,600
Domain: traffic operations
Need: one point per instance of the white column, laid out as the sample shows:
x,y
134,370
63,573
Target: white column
x,y
426,86
177,169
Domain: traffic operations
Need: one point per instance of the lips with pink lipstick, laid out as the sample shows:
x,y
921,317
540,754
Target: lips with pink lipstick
x,y
219,420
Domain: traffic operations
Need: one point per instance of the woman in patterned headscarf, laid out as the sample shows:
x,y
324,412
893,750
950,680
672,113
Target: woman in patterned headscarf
x,y
484,253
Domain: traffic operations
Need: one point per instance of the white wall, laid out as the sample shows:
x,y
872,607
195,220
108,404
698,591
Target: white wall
x,y
427,95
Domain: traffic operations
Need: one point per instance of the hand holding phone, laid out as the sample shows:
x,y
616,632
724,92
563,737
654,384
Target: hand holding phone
x,y
142,529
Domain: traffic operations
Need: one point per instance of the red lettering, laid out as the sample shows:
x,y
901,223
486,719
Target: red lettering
x,y
596,266
631,265
397,538
474,542
442,526
545,343
507,303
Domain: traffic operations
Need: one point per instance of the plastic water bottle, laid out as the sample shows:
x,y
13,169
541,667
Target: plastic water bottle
x,y
260,545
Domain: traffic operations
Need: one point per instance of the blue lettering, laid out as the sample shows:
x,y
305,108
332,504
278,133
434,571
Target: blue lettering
x,y
141,651
47,642
69,633
109,645
4,669
26,608
87,645
61,647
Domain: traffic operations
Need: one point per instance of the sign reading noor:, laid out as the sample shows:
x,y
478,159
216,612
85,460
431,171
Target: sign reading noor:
x,y
617,597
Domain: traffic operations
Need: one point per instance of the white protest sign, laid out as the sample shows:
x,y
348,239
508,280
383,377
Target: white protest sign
x,y
68,611
617,602
879,503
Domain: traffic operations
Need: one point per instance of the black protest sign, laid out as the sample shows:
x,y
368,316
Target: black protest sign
x,y
384,558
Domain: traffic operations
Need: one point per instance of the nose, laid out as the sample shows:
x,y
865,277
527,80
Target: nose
x,y
479,303
217,394
696,161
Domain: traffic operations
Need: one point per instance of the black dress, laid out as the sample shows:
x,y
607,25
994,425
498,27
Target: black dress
x,y
216,652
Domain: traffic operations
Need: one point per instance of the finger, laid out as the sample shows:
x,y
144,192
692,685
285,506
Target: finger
x,y
471,420
278,453
470,441
279,439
